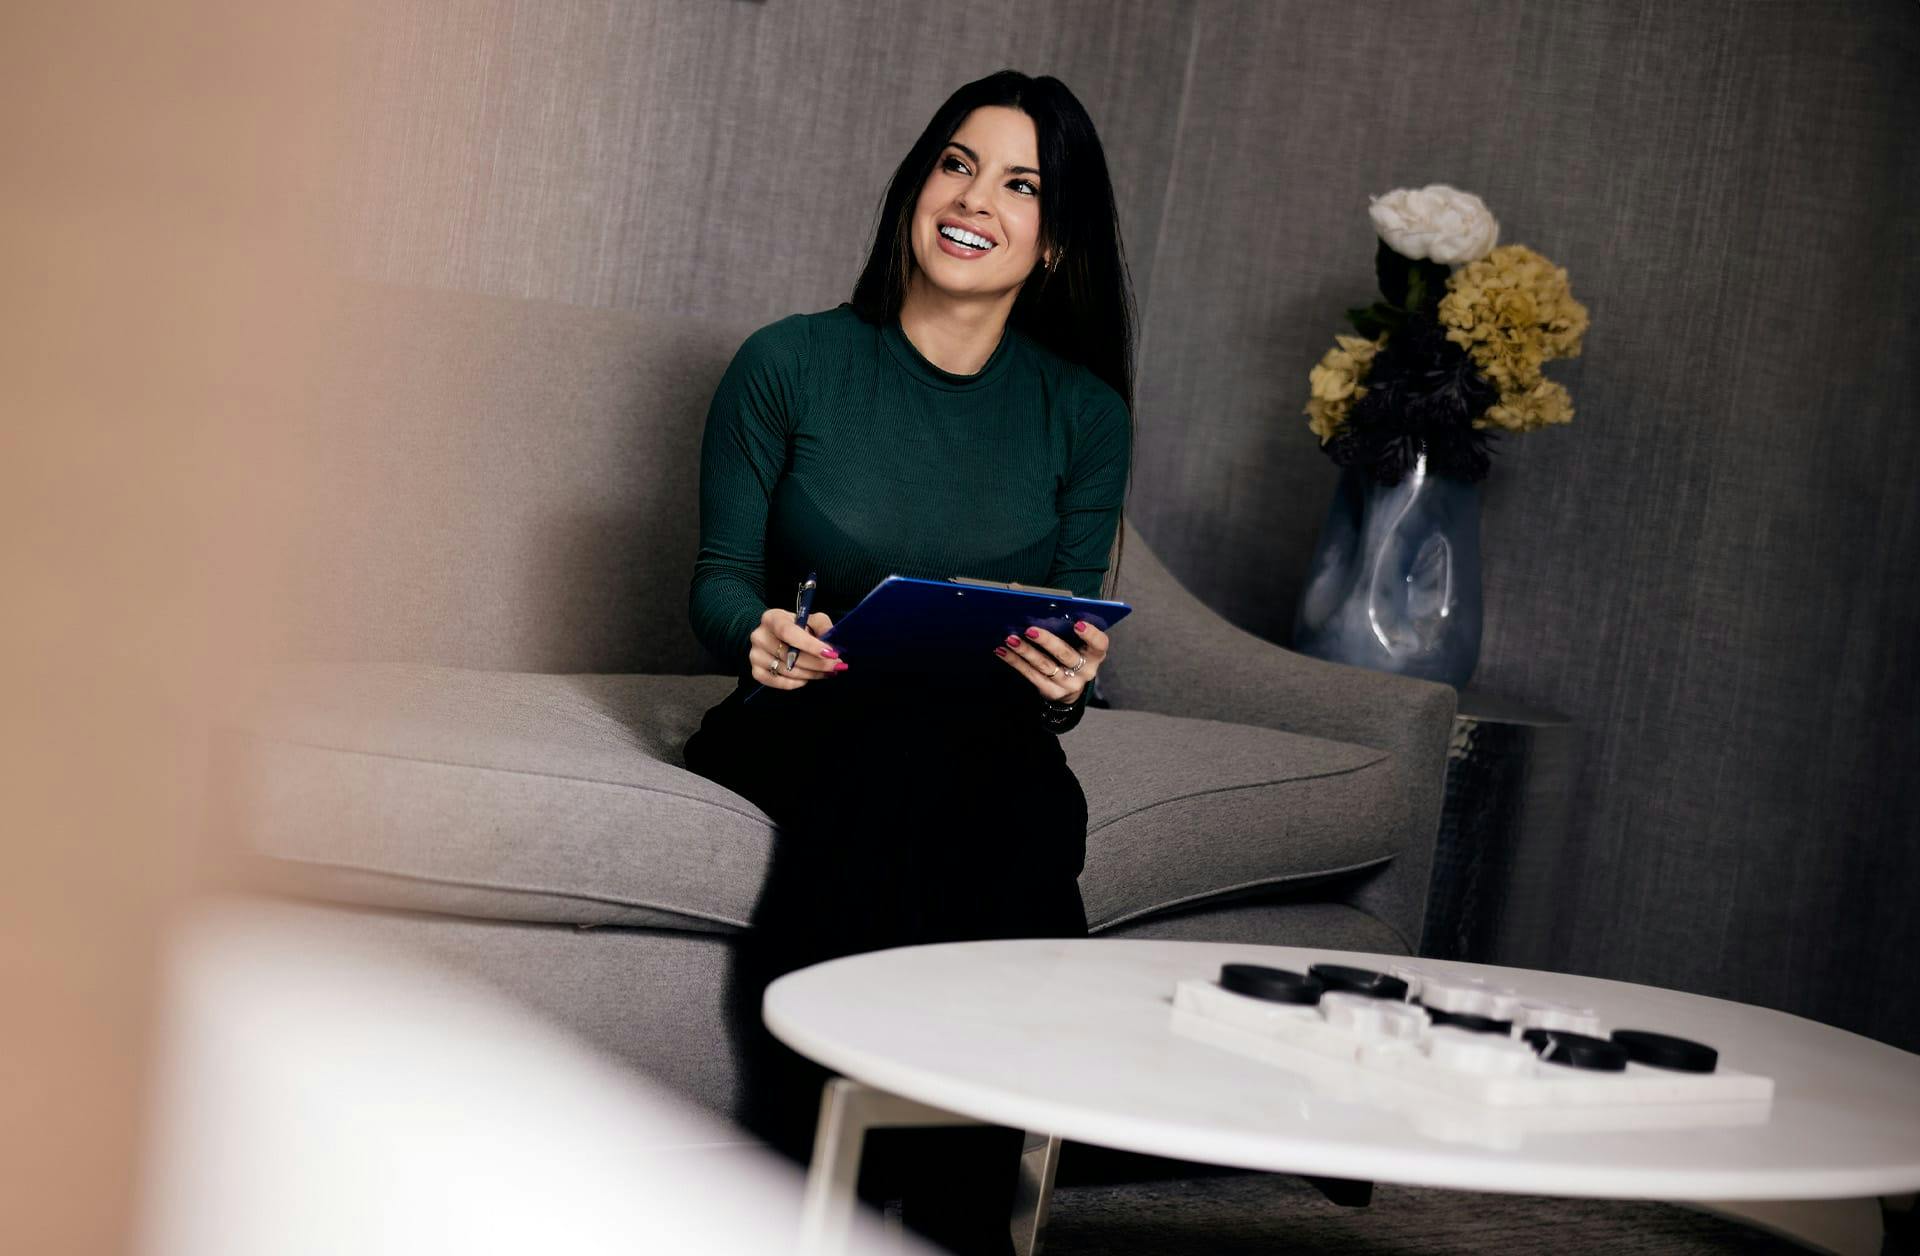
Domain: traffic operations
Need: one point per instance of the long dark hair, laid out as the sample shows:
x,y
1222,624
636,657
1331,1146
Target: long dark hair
x,y
1084,310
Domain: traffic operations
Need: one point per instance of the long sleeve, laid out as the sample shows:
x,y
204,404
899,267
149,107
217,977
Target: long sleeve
x,y
742,453
1089,502
1090,506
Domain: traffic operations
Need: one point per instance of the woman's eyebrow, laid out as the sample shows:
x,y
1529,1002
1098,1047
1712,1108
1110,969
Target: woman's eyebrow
x,y
975,159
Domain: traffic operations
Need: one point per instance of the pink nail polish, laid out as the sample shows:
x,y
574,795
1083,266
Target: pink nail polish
x,y
829,651
840,667
1080,627
1034,633
1000,650
1012,641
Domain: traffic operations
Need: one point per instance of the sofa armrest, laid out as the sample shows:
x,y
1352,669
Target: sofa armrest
x,y
1177,656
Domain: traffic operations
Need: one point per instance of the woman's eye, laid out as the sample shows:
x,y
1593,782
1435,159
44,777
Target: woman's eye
x,y
951,162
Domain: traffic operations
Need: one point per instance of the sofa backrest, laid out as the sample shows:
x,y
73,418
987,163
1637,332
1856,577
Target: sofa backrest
x,y
503,484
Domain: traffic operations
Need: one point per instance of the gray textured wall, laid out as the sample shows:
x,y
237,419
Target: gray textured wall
x,y
1709,569
1712,568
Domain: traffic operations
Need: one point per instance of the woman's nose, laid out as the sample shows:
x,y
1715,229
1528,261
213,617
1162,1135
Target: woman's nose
x,y
967,198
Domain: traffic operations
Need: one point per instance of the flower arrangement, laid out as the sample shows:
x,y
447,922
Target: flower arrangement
x,y
1452,357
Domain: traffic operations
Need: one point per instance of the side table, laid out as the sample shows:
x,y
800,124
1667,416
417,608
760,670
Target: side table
x,y
1502,842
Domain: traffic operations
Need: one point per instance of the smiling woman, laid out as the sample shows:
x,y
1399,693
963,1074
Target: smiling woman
x,y
967,412
1017,161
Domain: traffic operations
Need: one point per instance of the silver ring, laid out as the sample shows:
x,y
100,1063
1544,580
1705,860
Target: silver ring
x,y
1075,669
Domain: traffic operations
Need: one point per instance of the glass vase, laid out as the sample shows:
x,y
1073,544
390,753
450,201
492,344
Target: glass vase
x,y
1395,581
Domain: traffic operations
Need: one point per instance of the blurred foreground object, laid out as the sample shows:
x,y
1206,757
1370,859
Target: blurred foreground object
x,y
319,1095
156,233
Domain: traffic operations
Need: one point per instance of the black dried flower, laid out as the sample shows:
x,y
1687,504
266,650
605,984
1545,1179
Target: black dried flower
x,y
1422,393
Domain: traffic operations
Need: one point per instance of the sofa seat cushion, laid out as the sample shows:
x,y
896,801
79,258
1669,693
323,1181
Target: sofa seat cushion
x,y
496,795
563,799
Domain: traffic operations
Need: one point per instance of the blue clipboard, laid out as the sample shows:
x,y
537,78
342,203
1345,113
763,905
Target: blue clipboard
x,y
907,627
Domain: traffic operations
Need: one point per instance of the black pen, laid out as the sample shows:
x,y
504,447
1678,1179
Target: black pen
x,y
802,611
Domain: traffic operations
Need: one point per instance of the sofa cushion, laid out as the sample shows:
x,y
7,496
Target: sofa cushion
x,y
1181,810
562,799
498,795
503,483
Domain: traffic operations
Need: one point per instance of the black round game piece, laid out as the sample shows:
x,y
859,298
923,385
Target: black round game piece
x,y
1557,1046
1467,1020
1360,981
1275,985
1644,1046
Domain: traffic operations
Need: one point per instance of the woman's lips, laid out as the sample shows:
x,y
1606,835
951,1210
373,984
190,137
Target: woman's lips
x,y
958,250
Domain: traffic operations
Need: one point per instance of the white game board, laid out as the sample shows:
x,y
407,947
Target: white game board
x,y
1356,1043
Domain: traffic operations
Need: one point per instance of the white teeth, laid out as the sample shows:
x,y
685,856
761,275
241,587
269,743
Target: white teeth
x,y
967,238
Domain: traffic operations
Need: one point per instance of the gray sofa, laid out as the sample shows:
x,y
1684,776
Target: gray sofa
x,y
471,743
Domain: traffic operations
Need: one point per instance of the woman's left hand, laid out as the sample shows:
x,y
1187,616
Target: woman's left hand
x,y
1043,653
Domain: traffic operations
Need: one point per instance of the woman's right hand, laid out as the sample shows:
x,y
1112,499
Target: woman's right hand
x,y
778,631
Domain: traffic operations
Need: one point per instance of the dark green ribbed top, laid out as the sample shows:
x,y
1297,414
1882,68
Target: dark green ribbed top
x,y
834,446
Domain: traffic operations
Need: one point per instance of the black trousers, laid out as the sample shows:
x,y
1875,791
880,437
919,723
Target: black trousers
x,y
903,816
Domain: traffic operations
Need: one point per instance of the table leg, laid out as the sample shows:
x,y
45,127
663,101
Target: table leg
x,y
848,1109
1845,1227
1039,1161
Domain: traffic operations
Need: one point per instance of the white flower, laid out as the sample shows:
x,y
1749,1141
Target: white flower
x,y
1438,222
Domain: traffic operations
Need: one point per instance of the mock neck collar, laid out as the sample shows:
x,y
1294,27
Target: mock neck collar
x,y
918,366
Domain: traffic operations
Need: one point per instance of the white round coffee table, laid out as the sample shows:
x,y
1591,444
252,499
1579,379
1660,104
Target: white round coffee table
x,y
1074,1039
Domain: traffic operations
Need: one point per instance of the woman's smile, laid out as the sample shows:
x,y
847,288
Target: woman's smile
x,y
963,242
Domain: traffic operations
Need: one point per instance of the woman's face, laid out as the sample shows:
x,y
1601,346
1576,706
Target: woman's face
x,y
986,182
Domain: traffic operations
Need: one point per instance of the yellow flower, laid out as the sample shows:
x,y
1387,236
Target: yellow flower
x,y
1513,307
1334,385
1545,402
1513,311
